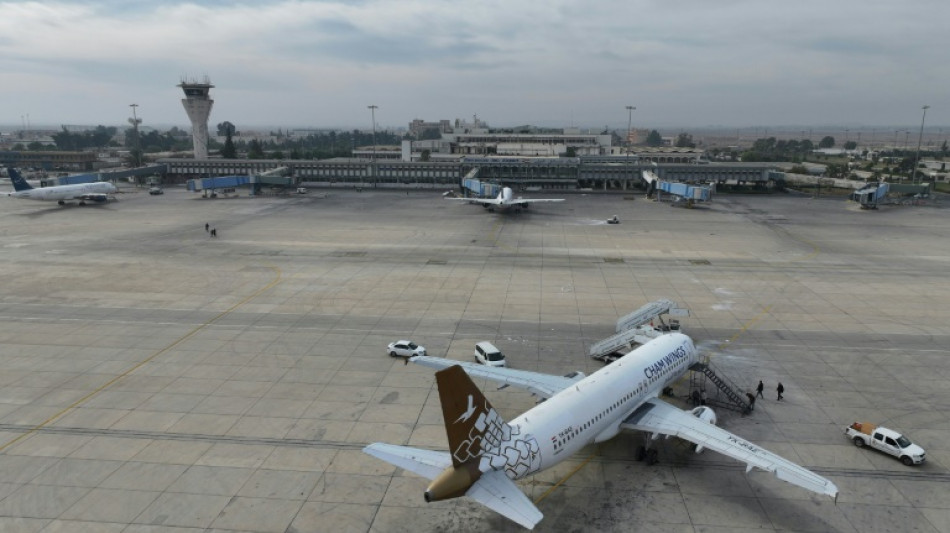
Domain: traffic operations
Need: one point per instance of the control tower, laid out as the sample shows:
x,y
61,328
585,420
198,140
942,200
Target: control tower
x,y
198,104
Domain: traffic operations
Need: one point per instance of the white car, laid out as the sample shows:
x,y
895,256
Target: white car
x,y
405,349
487,354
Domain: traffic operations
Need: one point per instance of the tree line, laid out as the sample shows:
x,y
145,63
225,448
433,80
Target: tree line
x,y
312,146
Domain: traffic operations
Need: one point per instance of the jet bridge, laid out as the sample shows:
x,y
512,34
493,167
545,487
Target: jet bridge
x,y
685,194
639,327
871,194
472,186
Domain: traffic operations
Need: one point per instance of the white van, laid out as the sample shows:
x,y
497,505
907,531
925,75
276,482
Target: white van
x,y
487,354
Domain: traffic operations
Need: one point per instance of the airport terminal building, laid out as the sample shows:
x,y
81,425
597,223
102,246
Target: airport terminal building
x,y
586,173
525,160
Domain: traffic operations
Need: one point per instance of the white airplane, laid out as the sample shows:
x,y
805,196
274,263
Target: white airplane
x,y
486,453
506,199
83,192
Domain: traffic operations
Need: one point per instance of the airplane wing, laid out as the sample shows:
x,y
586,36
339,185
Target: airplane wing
x,y
486,201
543,385
426,463
500,494
658,417
535,200
93,197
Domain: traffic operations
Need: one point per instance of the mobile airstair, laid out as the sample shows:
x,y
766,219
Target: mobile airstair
x,y
719,390
638,327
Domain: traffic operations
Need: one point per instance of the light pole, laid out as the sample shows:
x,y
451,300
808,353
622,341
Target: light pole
x,y
372,109
135,130
913,173
630,109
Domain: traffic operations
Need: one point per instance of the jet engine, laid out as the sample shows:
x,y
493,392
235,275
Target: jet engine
x,y
706,414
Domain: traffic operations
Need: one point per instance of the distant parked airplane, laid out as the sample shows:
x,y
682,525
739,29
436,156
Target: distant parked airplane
x,y
506,199
83,192
487,453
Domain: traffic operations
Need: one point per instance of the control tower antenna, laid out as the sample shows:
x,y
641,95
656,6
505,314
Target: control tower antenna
x,y
198,106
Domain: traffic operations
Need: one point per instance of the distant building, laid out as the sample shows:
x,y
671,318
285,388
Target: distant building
x,y
668,154
418,126
53,160
527,144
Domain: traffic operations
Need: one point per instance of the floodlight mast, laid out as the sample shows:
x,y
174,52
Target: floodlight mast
x,y
135,121
372,109
920,137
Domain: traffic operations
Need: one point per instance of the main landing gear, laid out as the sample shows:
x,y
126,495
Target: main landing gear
x,y
648,455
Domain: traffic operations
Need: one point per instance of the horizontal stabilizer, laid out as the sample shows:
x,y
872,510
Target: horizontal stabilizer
x,y
500,494
426,463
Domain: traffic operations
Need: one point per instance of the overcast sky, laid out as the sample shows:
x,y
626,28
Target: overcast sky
x,y
552,63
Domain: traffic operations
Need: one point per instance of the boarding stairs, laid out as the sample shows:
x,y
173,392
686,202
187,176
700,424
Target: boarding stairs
x,y
639,327
726,394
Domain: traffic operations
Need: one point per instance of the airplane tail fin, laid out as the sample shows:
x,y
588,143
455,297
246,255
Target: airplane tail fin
x,y
475,465
471,423
475,432
19,184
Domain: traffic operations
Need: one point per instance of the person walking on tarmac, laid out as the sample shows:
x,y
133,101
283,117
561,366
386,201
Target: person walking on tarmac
x,y
780,389
759,389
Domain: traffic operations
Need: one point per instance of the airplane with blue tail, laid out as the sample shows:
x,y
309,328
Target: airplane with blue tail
x,y
98,192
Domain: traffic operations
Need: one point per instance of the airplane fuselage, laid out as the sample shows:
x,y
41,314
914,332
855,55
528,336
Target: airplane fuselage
x,y
506,199
83,191
592,409
502,201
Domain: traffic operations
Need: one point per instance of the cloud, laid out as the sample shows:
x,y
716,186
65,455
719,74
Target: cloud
x,y
695,62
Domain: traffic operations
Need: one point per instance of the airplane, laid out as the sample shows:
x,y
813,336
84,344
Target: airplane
x,y
505,199
94,192
487,454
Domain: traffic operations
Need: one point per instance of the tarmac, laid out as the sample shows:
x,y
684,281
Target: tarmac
x,y
156,379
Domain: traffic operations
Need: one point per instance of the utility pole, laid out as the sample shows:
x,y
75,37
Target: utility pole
x,y
372,109
913,174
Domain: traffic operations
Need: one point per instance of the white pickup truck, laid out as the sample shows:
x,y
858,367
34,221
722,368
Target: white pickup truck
x,y
886,440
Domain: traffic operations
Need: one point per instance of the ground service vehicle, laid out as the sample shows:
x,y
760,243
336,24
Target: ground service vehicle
x,y
886,440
